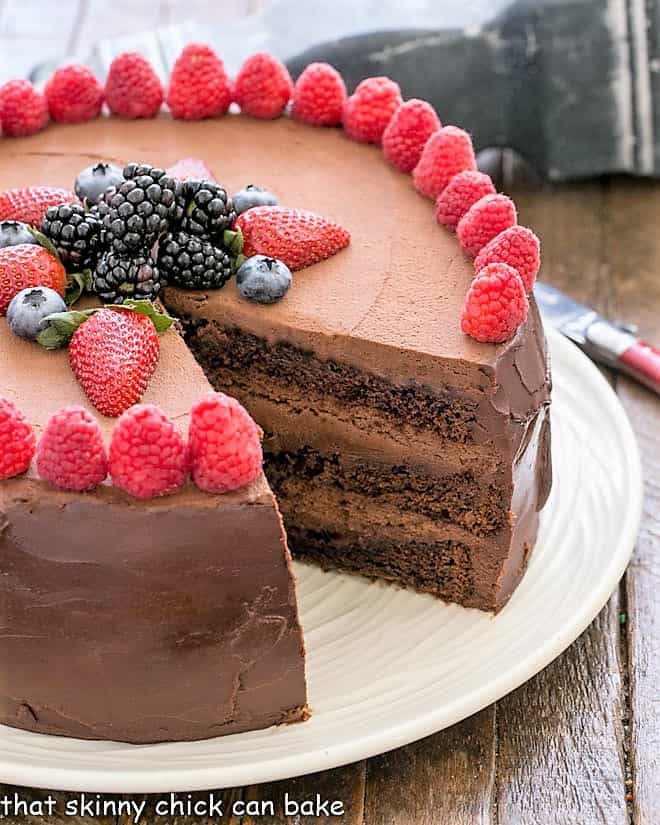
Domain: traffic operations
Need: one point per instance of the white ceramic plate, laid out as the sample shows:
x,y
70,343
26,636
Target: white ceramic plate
x,y
387,667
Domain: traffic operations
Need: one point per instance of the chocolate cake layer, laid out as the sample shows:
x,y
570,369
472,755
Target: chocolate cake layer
x,y
140,621
441,568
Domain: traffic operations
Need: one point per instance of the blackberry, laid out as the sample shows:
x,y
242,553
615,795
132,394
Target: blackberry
x,y
208,208
118,277
140,209
76,235
193,262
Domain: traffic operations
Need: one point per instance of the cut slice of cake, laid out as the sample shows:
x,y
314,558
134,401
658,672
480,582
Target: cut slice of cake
x,y
140,621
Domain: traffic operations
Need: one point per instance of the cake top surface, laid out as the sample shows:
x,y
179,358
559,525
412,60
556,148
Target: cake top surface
x,y
401,282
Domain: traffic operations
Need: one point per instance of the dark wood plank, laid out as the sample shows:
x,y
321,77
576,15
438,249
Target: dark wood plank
x,y
569,220
446,779
560,737
634,254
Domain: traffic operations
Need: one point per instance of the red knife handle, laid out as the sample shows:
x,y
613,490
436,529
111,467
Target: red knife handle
x,y
642,361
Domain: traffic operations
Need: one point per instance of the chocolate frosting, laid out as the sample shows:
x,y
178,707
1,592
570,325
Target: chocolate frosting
x,y
140,621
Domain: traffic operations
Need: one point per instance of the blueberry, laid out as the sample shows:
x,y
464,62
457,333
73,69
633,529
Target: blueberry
x,y
95,180
264,280
251,196
13,233
29,307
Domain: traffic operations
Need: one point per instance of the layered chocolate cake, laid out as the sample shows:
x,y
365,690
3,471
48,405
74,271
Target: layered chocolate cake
x,y
399,447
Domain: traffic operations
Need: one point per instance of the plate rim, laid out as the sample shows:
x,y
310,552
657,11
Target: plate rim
x,y
376,742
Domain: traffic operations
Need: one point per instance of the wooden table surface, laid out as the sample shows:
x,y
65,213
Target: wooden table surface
x,y
579,744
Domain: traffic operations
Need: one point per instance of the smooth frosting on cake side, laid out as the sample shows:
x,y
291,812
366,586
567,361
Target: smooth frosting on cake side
x,y
140,621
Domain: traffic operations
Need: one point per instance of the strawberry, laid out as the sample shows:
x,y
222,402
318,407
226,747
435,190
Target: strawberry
x,y
199,86
74,95
29,205
23,110
113,350
263,86
132,88
27,265
187,168
296,237
113,355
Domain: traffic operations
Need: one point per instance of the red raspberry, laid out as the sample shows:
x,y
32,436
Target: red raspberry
x,y
147,456
404,137
446,153
224,444
74,95
458,196
486,218
263,86
23,110
199,86
369,109
517,246
133,89
319,95
71,453
496,304
17,441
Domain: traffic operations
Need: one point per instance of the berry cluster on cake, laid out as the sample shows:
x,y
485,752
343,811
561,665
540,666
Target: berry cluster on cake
x,y
391,355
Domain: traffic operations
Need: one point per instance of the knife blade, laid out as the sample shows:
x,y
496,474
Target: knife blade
x,y
605,341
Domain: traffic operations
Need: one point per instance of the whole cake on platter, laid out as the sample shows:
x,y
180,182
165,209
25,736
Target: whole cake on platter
x,y
387,346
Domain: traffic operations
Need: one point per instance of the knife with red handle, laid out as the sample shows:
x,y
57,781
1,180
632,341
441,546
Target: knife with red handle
x,y
607,342
641,360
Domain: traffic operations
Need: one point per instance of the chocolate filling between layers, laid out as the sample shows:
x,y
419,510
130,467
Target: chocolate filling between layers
x,y
456,498
219,349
